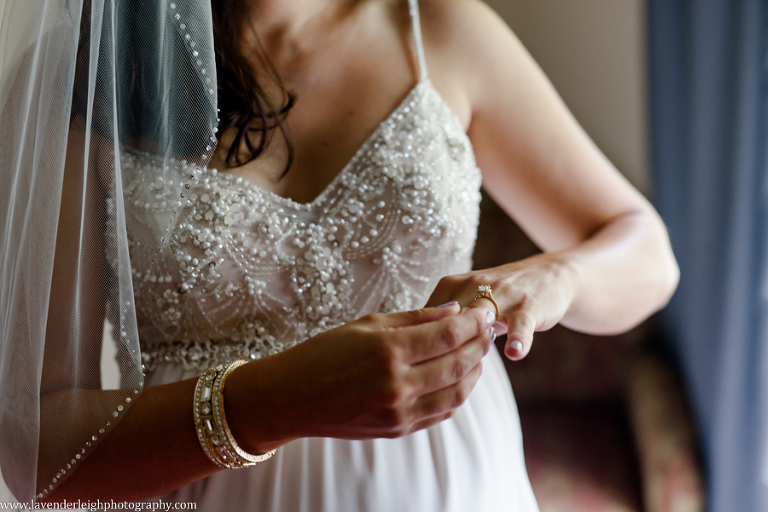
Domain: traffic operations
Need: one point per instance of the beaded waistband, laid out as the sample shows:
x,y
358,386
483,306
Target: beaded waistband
x,y
201,355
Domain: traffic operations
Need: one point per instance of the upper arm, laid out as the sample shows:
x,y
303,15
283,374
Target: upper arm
x,y
78,287
537,161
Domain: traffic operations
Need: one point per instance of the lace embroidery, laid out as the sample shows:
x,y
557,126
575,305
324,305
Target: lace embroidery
x,y
246,273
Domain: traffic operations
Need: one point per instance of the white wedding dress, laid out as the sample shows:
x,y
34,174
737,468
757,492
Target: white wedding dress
x,y
246,273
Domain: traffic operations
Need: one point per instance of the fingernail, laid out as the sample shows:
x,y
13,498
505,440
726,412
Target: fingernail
x,y
492,335
448,304
517,345
489,319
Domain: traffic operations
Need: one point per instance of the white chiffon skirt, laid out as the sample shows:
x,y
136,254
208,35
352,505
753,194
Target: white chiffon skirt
x,y
472,462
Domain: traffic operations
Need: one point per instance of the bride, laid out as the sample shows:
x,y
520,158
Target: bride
x,y
279,202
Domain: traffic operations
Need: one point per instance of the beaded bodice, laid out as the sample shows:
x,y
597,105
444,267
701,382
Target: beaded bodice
x,y
244,272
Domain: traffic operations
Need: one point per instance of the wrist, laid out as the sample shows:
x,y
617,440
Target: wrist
x,y
566,269
253,420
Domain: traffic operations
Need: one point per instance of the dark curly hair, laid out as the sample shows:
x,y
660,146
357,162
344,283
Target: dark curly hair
x,y
243,101
147,122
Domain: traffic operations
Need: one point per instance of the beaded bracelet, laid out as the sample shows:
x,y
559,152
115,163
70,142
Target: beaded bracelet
x,y
213,432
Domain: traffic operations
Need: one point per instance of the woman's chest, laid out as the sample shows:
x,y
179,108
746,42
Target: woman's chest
x,y
401,214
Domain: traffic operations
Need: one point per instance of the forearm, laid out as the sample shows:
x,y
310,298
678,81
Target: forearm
x,y
621,274
379,376
152,450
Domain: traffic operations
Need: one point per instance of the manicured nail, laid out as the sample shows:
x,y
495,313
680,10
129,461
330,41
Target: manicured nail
x,y
489,319
448,304
517,346
493,335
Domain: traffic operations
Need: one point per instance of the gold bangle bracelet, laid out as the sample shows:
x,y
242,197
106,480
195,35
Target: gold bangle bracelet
x,y
202,410
213,432
240,456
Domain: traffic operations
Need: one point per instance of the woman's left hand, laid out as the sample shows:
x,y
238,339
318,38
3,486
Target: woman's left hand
x,y
533,294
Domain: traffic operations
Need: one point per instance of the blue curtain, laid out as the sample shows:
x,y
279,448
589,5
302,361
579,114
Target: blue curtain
x,y
709,128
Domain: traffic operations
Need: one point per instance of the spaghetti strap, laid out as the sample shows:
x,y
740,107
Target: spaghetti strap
x,y
413,8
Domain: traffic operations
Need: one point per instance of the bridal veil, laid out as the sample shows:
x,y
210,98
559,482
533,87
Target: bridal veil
x,y
81,82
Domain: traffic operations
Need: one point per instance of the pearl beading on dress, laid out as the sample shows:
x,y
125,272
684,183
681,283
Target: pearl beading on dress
x,y
246,273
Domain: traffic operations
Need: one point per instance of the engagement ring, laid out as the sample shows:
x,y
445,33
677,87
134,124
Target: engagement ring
x,y
484,292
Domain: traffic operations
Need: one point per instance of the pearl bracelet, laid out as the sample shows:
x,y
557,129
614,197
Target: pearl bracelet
x,y
213,432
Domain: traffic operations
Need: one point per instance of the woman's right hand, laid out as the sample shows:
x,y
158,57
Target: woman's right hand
x,y
384,375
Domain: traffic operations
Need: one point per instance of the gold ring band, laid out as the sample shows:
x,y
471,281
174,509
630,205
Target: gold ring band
x,y
484,292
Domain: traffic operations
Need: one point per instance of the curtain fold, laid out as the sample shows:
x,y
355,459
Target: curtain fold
x,y
709,124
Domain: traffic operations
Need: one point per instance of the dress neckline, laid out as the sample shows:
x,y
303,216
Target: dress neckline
x,y
361,150
423,81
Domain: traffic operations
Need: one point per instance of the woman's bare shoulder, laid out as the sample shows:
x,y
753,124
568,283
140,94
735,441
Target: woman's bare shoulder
x,y
459,23
466,37
467,45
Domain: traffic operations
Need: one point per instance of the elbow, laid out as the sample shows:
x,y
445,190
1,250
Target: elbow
x,y
667,275
669,278
657,281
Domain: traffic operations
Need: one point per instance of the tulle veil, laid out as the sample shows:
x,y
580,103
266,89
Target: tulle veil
x,y
82,82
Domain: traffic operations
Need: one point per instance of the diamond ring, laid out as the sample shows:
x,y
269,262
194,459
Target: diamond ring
x,y
484,292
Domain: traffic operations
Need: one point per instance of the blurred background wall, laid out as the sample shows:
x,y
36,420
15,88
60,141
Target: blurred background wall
x,y
594,51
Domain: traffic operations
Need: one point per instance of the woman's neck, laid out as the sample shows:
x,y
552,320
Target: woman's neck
x,y
290,32
280,21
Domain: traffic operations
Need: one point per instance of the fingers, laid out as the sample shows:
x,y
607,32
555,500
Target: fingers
x,y
447,370
446,290
415,317
427,341
428,422
437,364
443,402
520,329
490,308
484,303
